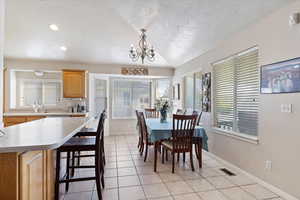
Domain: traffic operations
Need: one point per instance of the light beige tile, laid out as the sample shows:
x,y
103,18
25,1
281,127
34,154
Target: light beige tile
x,y
132,193
220,182
111,165
111,182
179,187
125,181
129,171
169,177
124,158
200,185
162,198
240,179
125,164
150,179
210,172
259,192
110,173
78,196
212,195
156,190
109,194
237,193
188,174
145,170
82,186
190,196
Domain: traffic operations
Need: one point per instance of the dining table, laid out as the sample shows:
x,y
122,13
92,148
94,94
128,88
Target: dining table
x,y
159,131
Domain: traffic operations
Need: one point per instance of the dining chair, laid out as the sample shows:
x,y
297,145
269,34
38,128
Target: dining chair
x,y
181,141
199,115
82,144
146,140
140,133
151,113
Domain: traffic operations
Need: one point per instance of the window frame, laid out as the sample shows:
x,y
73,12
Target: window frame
x,y
232,133
43,82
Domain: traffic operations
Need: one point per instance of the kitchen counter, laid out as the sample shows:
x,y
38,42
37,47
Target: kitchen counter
x,y
15,114
43,134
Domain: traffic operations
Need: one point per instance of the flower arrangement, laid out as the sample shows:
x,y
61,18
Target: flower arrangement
x,y
163,106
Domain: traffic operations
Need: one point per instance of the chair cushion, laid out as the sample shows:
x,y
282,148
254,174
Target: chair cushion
x,y
168,144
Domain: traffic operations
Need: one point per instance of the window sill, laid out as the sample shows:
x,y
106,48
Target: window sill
x,y
238,136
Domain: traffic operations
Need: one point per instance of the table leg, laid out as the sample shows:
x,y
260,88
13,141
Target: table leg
x,y
200,152
155,155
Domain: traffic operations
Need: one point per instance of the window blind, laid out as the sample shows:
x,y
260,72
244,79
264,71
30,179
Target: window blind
x,y
247,92
236,93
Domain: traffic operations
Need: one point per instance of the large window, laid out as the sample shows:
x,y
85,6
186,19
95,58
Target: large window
x,y
193,92
28,89
162,88
129,95
236,93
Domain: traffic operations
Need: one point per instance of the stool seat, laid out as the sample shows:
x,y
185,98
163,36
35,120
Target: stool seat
x,y
79,144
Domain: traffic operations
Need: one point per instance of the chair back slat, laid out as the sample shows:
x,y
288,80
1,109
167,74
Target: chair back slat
x,y
143,126
151,113
139,126
182,132
100,132
198,117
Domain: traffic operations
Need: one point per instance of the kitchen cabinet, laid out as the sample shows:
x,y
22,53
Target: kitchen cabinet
x,y
33,176
14,120
74,84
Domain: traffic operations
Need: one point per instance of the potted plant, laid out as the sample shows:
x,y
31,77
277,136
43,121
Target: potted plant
x,y
163,106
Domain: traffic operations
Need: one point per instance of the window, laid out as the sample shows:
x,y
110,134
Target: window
x,y
129,95
163,88
236,93
193,92
28,89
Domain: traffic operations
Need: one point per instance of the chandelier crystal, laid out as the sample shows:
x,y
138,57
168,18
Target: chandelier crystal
x,y
144,49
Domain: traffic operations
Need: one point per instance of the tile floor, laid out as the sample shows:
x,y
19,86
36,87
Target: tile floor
x,y
128,177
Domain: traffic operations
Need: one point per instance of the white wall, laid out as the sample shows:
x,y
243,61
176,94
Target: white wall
x,y
279,135
1,58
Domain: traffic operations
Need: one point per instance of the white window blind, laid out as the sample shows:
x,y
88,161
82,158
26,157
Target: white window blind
x,y
129,95
236,93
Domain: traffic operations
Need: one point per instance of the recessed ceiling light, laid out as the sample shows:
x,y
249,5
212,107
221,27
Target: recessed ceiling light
x,y
53,27
63,48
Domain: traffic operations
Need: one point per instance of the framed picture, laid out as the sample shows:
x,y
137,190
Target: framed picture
x,y
206,92
281,77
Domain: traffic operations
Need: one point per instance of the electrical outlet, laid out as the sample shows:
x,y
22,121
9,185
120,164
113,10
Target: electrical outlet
x,y
268,165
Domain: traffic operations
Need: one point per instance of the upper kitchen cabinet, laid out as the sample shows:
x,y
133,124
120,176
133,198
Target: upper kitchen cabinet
x,y
74,84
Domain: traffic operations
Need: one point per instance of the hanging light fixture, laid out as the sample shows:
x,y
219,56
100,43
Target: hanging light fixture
x,y
143,51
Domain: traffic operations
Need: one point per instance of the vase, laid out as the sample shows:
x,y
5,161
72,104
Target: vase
x,y
163,116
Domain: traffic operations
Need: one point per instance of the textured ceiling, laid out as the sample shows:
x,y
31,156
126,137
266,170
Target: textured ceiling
x,y
101,31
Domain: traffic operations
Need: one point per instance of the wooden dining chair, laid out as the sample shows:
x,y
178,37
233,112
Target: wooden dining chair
x,y
199,115
181,141
140,132
146,140
151,113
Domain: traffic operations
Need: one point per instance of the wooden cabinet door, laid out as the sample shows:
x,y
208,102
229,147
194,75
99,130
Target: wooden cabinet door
x,y
33,176
73,84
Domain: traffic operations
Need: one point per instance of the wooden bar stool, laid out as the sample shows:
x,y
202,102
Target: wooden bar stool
x,y
82,144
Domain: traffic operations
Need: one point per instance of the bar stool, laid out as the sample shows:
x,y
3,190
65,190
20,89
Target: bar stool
x,y
87,132
82,144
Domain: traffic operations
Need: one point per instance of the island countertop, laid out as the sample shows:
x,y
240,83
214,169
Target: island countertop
x,y
43,134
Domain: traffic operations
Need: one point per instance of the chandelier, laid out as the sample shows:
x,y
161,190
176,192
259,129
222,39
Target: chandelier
x,y
143,51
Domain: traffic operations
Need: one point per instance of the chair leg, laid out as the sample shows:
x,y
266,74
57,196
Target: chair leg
x,y
173,162
163,155
98,175
67,171
73,163
57,175
155,156
178,157
146,153
78,158
200,153
142,149
184,157
167,155
191,160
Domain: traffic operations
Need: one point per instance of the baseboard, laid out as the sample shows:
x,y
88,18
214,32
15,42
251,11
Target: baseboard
x,y
273,188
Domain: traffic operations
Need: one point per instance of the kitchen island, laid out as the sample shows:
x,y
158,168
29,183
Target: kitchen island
x,y
27,158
